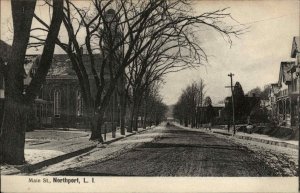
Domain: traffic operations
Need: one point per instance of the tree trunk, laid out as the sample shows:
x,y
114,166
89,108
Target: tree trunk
x,y
135,110
13,126
96,124
13,132
122,114
145,115
186,122
121,91
16,104
136,119
132,113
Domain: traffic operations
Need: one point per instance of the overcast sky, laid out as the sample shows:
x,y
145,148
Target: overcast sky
x,y
254,57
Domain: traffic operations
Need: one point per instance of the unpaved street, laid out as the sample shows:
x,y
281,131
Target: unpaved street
x,y
179,152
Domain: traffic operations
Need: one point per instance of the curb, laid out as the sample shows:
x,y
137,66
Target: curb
x,y
33,167
117,139
228,134
54,160
270,142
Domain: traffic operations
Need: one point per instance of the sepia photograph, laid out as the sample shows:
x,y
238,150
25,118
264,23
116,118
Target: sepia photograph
x,y
149,95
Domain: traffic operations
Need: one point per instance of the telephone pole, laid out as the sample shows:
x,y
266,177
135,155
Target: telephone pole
x,y
232,100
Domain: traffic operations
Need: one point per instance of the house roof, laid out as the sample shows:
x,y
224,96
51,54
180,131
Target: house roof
x,y
61,64
295,46
284,75
275,88
274,84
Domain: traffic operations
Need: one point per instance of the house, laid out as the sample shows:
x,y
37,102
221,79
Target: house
x,y
218,112
60,102
284,95
286,90
295,78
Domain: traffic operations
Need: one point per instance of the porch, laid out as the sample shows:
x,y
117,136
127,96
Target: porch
x,y
287,111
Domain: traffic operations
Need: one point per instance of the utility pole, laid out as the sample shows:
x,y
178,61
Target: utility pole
x,y
232,99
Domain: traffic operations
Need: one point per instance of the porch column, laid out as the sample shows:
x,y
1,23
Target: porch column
x,y
284,109
298,109
291,112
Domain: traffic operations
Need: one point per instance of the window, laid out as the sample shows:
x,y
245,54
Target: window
x,y
79,104
294,85
57,103
280,105
287,106
41,111
33,72
41,94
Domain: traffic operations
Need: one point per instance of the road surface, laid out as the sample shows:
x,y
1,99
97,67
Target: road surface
x,y
174,151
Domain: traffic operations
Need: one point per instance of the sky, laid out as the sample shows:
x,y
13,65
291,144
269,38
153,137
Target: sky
x,y
253,57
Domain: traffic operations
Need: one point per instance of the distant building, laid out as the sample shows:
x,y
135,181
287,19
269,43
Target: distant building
x,y
201,114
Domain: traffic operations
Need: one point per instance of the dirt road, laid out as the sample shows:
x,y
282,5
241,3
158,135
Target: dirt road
x,y
180,152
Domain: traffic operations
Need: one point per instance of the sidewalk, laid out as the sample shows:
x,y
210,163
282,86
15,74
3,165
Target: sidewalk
x,y
253,137
47,147
260,138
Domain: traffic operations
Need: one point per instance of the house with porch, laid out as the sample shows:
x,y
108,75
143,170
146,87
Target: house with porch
x,y
284,95
295,76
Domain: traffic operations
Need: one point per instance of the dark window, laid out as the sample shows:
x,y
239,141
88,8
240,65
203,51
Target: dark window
x,y
79,104
57,103
288,110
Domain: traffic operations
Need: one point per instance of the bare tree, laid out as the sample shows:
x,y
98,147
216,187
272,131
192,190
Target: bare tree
x,y
153,108
189,108
174,50
200,101
16,100
127,34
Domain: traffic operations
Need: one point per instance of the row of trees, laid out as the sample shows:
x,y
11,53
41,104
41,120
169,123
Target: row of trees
x,y
139,42
193,106
152,110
